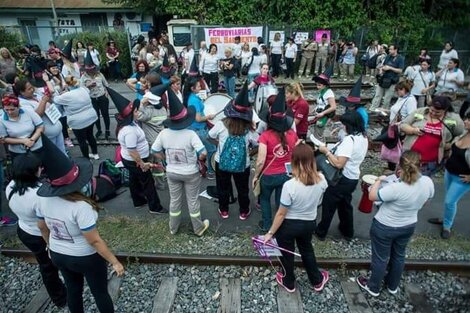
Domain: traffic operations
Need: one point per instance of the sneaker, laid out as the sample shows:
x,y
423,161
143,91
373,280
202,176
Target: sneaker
x,y
319,237
8,221
223,214
139,206
436,220
279,277
317,142
161,211
68,142
445,233
326,277
392,292
244,216
261,226
203,230
94,156
362,282
210,176
98,134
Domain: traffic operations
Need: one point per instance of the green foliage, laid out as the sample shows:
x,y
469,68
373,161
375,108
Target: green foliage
x,y
100,40
13,40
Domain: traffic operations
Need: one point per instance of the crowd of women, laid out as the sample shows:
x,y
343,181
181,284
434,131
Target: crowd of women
x,y
166,125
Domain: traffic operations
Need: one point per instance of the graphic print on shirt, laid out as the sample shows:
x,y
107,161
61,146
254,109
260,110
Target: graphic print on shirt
x,y
279,151
177,156
433,129
59,230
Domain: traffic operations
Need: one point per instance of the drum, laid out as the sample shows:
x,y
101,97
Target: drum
x,y
215,104
365,205
262,95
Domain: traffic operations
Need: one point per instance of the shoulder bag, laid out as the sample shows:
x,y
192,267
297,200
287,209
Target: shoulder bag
x,y
257,187
428,94
246,67
332,174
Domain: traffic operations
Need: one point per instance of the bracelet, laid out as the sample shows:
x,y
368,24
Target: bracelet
x,y
270,232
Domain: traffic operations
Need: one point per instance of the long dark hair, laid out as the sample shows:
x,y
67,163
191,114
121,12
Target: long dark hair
x,y
353,122
190,83
281,136
24,173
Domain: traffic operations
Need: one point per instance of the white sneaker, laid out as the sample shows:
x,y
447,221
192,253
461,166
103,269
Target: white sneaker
x,y
317,142
94,156
392,292
202,231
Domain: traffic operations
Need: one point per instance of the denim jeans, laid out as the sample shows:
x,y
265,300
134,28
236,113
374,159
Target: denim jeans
x,y
210,147
270,184
455,189
300,232
49,272
230,85
91,267
429,169
388,250
251,92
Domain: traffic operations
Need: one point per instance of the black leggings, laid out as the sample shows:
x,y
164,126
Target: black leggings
x,y
65,127
83,135
212,80
94,269
101,104
276,64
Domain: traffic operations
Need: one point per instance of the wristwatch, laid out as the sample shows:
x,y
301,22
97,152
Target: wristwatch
x,y
270,232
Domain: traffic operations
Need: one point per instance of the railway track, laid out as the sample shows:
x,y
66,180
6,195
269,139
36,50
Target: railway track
x,y
228,293
312,86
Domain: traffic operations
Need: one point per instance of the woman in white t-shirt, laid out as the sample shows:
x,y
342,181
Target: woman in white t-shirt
x,y
450,78
395,222
23,201
182,149
209,66
290,54
348,156
326,103
246,54
276,54
295,220
448,53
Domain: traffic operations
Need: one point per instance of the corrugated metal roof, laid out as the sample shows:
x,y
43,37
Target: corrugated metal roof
x,y
59,4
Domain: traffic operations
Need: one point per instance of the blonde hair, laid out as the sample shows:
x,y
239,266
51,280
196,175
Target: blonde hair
x,y
78,196
1,53
304,166
410,162
296,89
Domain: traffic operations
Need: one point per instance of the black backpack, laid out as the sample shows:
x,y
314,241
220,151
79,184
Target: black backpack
x,y
372,62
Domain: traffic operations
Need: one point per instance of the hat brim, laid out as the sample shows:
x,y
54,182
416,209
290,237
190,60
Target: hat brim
x,y
281,125
344,102
320,80
84,176
230,111
183,123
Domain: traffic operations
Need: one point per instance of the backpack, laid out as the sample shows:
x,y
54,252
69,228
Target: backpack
x,y
233,156
372,62
108,168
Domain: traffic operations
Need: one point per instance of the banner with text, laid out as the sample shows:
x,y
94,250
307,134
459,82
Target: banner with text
x,y
225,37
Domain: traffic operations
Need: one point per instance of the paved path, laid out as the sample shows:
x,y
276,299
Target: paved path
x,y
123,204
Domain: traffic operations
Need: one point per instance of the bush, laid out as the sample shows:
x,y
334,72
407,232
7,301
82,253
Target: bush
x,y
11,39
99,41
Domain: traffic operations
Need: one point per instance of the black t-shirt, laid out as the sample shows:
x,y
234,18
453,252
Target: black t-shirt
x,y
227,72
456,164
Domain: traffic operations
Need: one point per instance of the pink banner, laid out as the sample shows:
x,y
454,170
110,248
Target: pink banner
x,y
320,32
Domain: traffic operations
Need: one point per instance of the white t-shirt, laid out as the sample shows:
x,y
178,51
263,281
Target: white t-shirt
x,y
401,202
420,79
220,132
405,105
77,106
94,56
66,221
25,207
181,148
322,102
237,49
132,137
291,51
446,56
23,127
302,201
50,130
255,67
355,150
74,70
209,63
246,57
276,47
446,83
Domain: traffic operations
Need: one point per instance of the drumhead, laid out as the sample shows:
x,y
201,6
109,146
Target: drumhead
x,y
216,103
262,95
369,179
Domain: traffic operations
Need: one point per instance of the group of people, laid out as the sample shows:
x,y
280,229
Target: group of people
x,y
166,125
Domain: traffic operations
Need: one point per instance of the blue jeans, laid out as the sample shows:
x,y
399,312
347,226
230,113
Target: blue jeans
x,y
250,78
230,85
455,189
270,183
429,169
388,250
210,147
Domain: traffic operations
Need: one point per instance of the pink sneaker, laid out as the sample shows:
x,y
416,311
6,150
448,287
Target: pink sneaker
x,y
68,142
279,277
223,214
320,286
8,221
244,216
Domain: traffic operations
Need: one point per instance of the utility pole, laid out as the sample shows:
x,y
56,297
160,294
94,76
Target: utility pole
x,y
56,21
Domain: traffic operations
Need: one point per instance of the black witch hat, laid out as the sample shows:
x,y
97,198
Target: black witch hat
x,y
354,98
165,69
277,116
324,78
64,175
67,51
180,116
193,69
159,90
240,107
123,105
88,62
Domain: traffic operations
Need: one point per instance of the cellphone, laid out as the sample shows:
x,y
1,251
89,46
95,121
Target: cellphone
x,y
288,167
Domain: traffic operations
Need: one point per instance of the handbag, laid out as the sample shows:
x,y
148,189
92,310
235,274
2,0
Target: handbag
x,y
392,155
332,174
257,187
246,67
428,94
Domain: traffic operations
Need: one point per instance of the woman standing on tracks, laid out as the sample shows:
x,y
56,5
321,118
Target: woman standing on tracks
x,y
23,201
275,150
182,149
326,103
295,220
348,156
209,66
395,222
276,54
299,106
67,220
